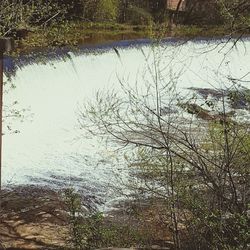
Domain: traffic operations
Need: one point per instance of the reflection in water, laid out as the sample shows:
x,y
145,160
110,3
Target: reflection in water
x,y
48,149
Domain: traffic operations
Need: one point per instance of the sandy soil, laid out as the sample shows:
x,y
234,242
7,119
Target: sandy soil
x,y
32,218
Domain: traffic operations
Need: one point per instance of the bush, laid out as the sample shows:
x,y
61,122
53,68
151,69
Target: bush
x,y
90,230
18,15
138,16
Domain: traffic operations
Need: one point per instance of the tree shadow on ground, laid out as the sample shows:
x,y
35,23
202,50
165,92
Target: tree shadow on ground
x,y
32,218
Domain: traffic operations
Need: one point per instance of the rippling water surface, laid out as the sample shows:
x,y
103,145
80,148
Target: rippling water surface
x,y
49,148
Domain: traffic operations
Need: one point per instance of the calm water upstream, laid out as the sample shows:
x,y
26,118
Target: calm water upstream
x,y
49,148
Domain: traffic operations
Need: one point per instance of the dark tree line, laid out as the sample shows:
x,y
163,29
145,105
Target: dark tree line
x,y
16,14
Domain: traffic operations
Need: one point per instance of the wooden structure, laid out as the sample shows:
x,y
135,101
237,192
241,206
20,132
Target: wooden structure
x,y
176,5
187,5
193,11
6,44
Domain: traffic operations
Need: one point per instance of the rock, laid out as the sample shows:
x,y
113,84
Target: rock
x,y
195,109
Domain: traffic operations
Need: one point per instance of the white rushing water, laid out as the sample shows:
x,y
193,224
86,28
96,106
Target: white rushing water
x,y
49,150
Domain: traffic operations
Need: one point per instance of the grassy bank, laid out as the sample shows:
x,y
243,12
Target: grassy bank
x,y
78,33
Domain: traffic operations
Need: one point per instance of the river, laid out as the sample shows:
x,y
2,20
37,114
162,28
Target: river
x,y
45,146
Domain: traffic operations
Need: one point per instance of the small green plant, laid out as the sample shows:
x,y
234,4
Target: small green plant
x,y
91,230
73,203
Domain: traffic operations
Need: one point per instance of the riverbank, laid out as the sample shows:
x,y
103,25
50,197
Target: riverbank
x,y
79,33
86,33
36,217
32,218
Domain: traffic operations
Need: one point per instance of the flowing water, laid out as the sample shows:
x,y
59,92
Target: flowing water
x,y
46,146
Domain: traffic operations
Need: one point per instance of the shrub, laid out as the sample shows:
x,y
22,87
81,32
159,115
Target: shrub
x,y
91,230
